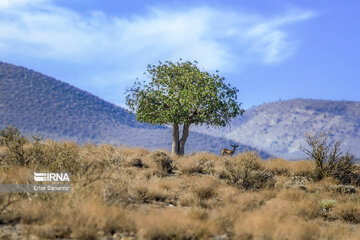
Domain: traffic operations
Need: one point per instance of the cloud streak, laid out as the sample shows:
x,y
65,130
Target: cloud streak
x,y
119,48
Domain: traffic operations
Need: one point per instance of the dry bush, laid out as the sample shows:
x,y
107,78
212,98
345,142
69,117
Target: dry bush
x,y
197,164
14,142
103,153
170,184
88,220
199,191
329,161
343,189
165,165
308,209
156,190
292,195
145,194
250,202
348,212
270,226
246,201
297,203
278,166
304,168
6,202
133,152
246,171
282,167
187,199
91,172
205,192
114,198
171,223
136,162
117,190
16,174
35,211
54,157
223,219
49,156
2,155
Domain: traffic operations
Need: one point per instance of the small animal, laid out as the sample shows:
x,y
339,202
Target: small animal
x,y
225,151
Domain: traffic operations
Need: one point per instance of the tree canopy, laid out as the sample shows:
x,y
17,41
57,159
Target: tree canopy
x,y
180,93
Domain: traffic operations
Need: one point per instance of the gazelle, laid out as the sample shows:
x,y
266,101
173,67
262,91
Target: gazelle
x,y
225,151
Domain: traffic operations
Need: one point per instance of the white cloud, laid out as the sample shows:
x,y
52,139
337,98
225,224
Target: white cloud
x,y
117,48
7,4
270,41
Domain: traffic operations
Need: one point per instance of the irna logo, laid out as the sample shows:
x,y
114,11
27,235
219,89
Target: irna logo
x,y
52,177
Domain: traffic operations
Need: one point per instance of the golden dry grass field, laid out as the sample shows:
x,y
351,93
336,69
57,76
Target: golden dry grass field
x,y
132,193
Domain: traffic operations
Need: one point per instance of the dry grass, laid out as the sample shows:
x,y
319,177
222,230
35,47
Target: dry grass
x,y
283,167
132,193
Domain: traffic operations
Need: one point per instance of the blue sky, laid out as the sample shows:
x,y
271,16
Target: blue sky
x,y
269,50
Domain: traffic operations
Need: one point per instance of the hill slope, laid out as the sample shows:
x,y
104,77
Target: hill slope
x,y
279,127
40,104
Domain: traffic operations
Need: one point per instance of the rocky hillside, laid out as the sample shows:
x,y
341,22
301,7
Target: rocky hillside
x,y
40,104
279,127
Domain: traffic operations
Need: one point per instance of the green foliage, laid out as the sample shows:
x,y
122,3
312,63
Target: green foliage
x,y
329,161
14,141
181,93
327,204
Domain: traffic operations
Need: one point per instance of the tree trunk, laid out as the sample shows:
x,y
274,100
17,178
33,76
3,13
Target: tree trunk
x,y
175,144
184,138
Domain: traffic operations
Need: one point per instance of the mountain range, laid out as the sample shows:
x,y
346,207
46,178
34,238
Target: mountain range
x,y
279,128
41,105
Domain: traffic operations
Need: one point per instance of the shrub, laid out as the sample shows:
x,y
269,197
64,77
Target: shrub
x,y
304,168
57,157
278,166
147,195
343,169
206,189
245,171
329,161
49,156
14,141
343,189
205,192
348,212
164,163
327,204
116,190
196,166
136,162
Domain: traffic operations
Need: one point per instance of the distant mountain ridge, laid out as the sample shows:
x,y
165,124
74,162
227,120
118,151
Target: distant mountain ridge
x,y
40,104
279,128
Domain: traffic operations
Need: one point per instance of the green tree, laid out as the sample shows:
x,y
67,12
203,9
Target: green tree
x,y
181,94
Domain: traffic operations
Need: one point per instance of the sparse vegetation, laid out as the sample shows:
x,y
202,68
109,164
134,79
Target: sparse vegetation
x,y
329,160
165,165
133,193
246,172
14,141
